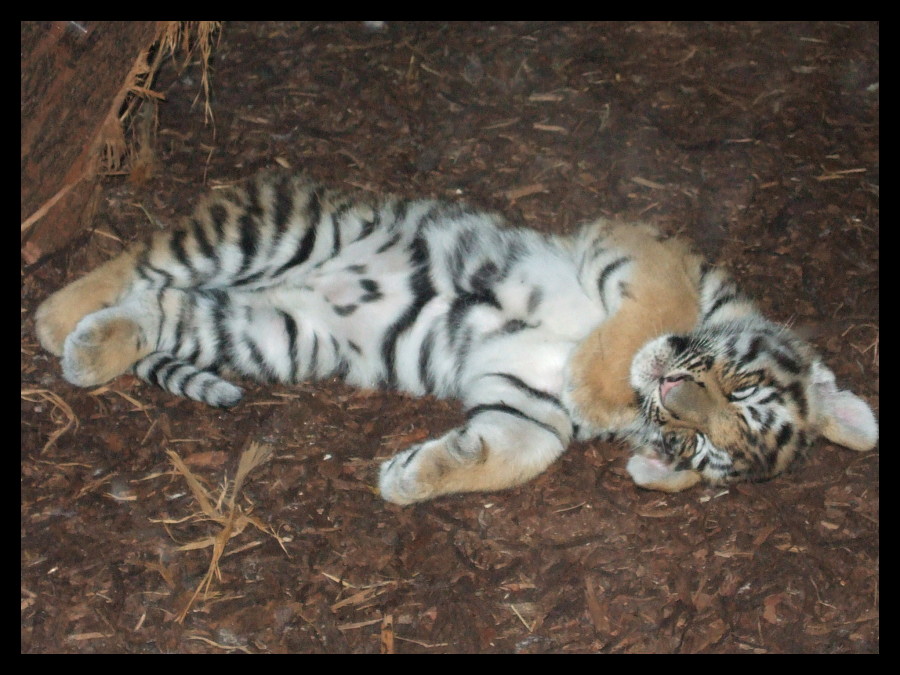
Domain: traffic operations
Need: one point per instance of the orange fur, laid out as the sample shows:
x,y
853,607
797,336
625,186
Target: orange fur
x,y
60,313
661,297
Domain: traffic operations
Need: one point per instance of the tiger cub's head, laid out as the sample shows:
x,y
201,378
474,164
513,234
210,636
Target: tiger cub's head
x,y
735,401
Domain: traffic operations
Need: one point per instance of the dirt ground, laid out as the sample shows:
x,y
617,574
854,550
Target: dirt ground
x,y
760,142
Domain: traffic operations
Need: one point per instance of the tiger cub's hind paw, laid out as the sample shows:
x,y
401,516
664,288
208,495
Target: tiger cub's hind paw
x,y
57,317
103,346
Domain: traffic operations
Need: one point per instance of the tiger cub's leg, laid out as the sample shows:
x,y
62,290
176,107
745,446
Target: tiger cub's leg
x,y
493,452
514,431
660,297
168,337
208,250
249,236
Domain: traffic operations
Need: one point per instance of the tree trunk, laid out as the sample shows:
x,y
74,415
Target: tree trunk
x,y
75,76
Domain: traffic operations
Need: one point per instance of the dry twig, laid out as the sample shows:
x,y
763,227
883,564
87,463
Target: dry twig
x,y
36,395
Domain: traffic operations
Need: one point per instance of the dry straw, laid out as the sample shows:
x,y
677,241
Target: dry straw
x,y
138,112
223,510
59,405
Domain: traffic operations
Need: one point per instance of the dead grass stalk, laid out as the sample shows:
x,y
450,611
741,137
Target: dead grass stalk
x,y
59,406
223,510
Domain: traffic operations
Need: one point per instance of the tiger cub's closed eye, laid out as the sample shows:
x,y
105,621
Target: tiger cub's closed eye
x,y
743,393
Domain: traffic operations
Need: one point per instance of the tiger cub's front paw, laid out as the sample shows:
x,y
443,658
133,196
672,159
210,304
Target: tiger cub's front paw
x,y
399,480
452,463
652,473
103,346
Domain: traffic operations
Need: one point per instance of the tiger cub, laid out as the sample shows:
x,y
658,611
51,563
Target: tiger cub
x,y
544,339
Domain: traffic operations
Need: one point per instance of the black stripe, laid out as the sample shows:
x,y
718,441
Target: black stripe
x,y
369,226
181,325
186,382
467,300
224,341
218,214
717,305
509,410
463,348
265,371
335,235
344,310
342,210
249,241
176,244
179,371
254,207
754,413
456,314
152,375
281,210
208,384
456,261
249,279
390,243
423,292
786,362
194,356
485,277
203,243
514,326
283,202
604,277
534,299
313,366
756,346
531,391
774,396
303,252
343,365
410,457
144,265
426,377
400,209
290,327
784,435
438,212
768,421
795,391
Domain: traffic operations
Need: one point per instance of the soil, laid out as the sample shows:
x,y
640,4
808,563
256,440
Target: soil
x,y
758,141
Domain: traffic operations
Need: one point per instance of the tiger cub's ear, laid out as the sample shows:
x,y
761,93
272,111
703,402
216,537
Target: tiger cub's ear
x,y
845,418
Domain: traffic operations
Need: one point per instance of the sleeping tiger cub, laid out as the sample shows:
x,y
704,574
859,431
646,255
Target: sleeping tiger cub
x,y
611,331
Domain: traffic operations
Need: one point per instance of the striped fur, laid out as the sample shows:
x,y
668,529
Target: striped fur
x,y
543,339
